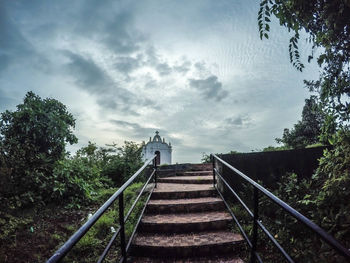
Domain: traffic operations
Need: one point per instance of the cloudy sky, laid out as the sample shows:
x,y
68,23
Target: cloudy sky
x,y
194,70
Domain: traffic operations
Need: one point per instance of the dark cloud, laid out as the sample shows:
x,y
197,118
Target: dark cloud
x,y
13,45
200,66
151,83
154,60
184,67
120,34
163,69
238,122
89,76
4,61
109,95
128,64
134,129
210,87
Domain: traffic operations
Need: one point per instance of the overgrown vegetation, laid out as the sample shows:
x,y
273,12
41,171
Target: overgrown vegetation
x,y
308,130
46,194
325,119
327,27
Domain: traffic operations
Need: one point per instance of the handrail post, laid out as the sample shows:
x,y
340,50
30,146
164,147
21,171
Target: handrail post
x,y
155,172
122,226
255,225
213,162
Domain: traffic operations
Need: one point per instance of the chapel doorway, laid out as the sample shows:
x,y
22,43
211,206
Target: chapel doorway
x,y
157,157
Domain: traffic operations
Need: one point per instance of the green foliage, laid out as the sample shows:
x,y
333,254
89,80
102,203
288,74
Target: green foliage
x,y
124,163
327,24
273,148
308,130
333,176
322,198
75,181
98,156
34,170
9,225
93,242
205,158
286,229
308,196
32,139
91,245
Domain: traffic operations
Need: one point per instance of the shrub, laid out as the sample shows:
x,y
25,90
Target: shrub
x,y
124,163
74,180
32,139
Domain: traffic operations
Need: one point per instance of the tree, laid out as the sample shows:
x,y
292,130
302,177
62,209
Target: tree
x,y
32,139
308,130
327,23
124,163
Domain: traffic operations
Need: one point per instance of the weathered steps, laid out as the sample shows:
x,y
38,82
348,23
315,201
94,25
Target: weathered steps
x,y
201,244
195,173
167,173
212,259
178,191
185,205
183,223
199,179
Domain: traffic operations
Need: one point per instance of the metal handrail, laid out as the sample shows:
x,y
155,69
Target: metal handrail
x,y
70,243
256,222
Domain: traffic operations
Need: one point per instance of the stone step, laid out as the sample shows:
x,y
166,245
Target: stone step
x,y
186,245
186,167
185,222
209,259
185,205
199,179
180,191
168,173
195,173
200,167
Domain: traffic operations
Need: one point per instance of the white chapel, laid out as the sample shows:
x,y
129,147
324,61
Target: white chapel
x,y
158,147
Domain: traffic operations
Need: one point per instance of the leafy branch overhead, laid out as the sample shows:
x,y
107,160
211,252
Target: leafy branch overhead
x,y
327,24
264,18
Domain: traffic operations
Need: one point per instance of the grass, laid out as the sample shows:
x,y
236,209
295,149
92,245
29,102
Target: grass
x,y
54,224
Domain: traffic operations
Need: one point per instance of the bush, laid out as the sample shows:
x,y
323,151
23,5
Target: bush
x,y
74,180
323,199
32,139
333,179
124,163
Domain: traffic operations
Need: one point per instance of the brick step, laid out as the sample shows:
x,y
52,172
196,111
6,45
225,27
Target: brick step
x,y
194,173
200,167
169,173
199,179
180,191
183,223
209,259
185,205
186,245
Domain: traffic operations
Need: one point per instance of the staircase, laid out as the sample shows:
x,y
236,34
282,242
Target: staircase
x,y
185,221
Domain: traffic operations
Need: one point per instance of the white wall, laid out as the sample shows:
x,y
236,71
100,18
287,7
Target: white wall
x,y
150,148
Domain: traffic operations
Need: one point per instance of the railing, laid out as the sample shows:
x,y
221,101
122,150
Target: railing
x,y
63,250
255,215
